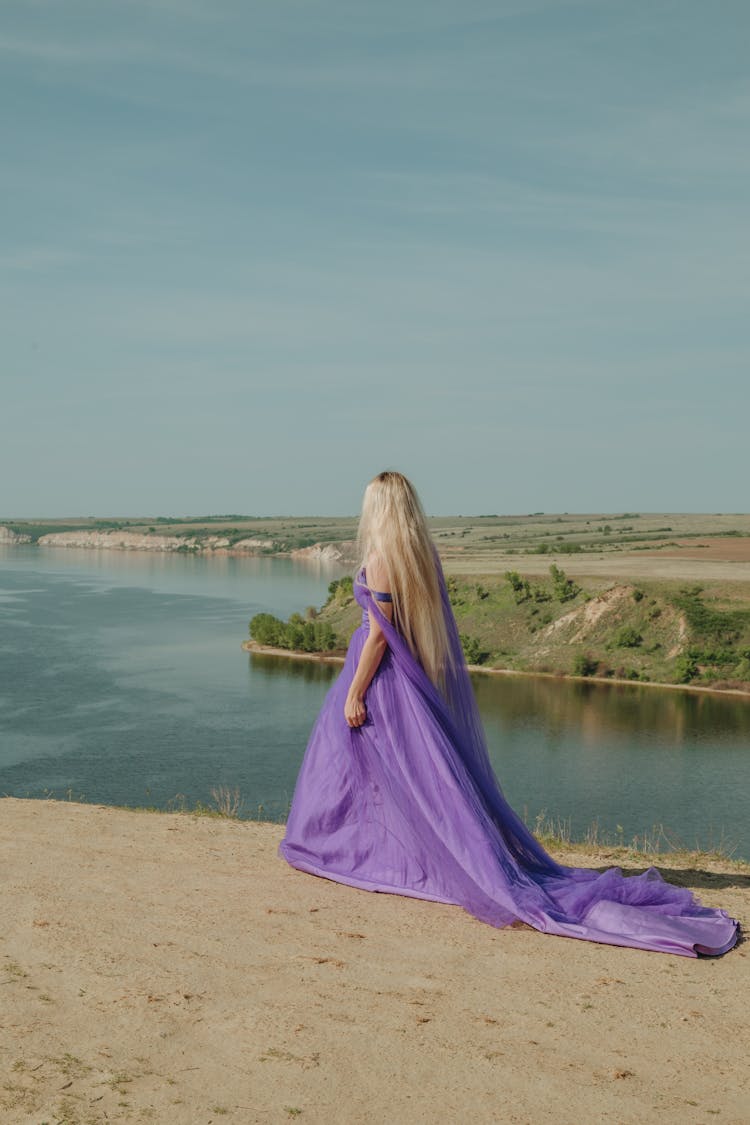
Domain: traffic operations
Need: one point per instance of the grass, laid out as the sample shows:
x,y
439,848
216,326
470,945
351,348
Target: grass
x,y
14,970
228,804
651,631
228,801
552,832
655,843
70,1066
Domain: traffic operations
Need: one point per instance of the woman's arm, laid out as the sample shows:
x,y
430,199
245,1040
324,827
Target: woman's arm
x,y
373,649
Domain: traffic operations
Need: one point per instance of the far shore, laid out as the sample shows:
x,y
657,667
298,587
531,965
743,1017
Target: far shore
x,y
338,658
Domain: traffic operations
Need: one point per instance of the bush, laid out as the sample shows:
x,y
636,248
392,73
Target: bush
x,y
341,589
584,665
451,585
563,588
685,668
296,634
266,629
472,649
627,637
520,586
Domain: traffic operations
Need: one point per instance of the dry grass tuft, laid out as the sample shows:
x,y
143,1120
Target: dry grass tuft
x,y
228,801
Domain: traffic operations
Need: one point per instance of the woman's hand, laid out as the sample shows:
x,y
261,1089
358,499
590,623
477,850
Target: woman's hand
x,y
355,711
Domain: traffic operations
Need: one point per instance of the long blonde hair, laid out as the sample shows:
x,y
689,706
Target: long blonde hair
x,y
393,529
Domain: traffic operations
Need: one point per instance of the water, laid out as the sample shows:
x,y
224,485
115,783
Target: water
x,y
122,681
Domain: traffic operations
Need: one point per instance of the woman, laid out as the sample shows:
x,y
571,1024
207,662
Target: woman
x,y
396,792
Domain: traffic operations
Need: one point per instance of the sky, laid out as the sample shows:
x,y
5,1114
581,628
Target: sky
x,y
253,253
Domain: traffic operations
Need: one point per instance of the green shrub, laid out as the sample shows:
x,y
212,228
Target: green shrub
x,y
564,589
584,664
266,629
520,586
473,650
454,594
341,589
296,634
685,668
627,637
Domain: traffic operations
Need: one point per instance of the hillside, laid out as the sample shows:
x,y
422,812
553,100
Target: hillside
x,y
665,632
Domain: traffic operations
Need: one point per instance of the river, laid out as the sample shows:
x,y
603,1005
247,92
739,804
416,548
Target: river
x,y
122,681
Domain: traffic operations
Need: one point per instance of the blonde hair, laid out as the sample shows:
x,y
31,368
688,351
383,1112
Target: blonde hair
x,y
393,529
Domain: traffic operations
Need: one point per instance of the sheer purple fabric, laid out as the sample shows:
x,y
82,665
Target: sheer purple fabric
x,y
409,804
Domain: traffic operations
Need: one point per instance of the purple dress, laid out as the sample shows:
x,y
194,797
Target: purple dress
x,y
409,804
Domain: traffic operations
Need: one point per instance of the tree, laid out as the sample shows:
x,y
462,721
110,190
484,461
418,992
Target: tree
x,y
564,588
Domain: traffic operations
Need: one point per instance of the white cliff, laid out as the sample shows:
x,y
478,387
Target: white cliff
x,y
254,545
343,552
148,541
8,536
116,540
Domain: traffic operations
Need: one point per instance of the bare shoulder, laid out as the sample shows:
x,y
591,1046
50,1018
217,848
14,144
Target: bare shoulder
x,y
377,575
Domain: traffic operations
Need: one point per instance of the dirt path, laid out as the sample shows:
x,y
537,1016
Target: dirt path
x,y
171,968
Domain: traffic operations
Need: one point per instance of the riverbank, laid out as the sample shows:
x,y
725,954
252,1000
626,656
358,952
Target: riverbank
x,y
170,967
687,546
338,658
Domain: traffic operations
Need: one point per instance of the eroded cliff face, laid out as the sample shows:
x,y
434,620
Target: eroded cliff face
x,y
8,536
116,540
344,552
254,545
136,541
113,540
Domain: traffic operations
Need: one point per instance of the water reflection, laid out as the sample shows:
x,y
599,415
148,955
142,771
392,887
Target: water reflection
x,y
266,665
627,757
603,711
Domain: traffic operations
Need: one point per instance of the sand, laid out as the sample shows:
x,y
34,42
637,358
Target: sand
x,y
171,968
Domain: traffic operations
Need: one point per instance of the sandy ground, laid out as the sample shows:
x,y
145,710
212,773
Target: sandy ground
x,y
171,968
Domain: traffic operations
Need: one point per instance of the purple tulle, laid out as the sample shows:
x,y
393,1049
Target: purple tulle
x,y
409,804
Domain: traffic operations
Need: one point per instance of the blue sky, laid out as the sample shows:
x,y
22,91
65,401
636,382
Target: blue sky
x,y
252,253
